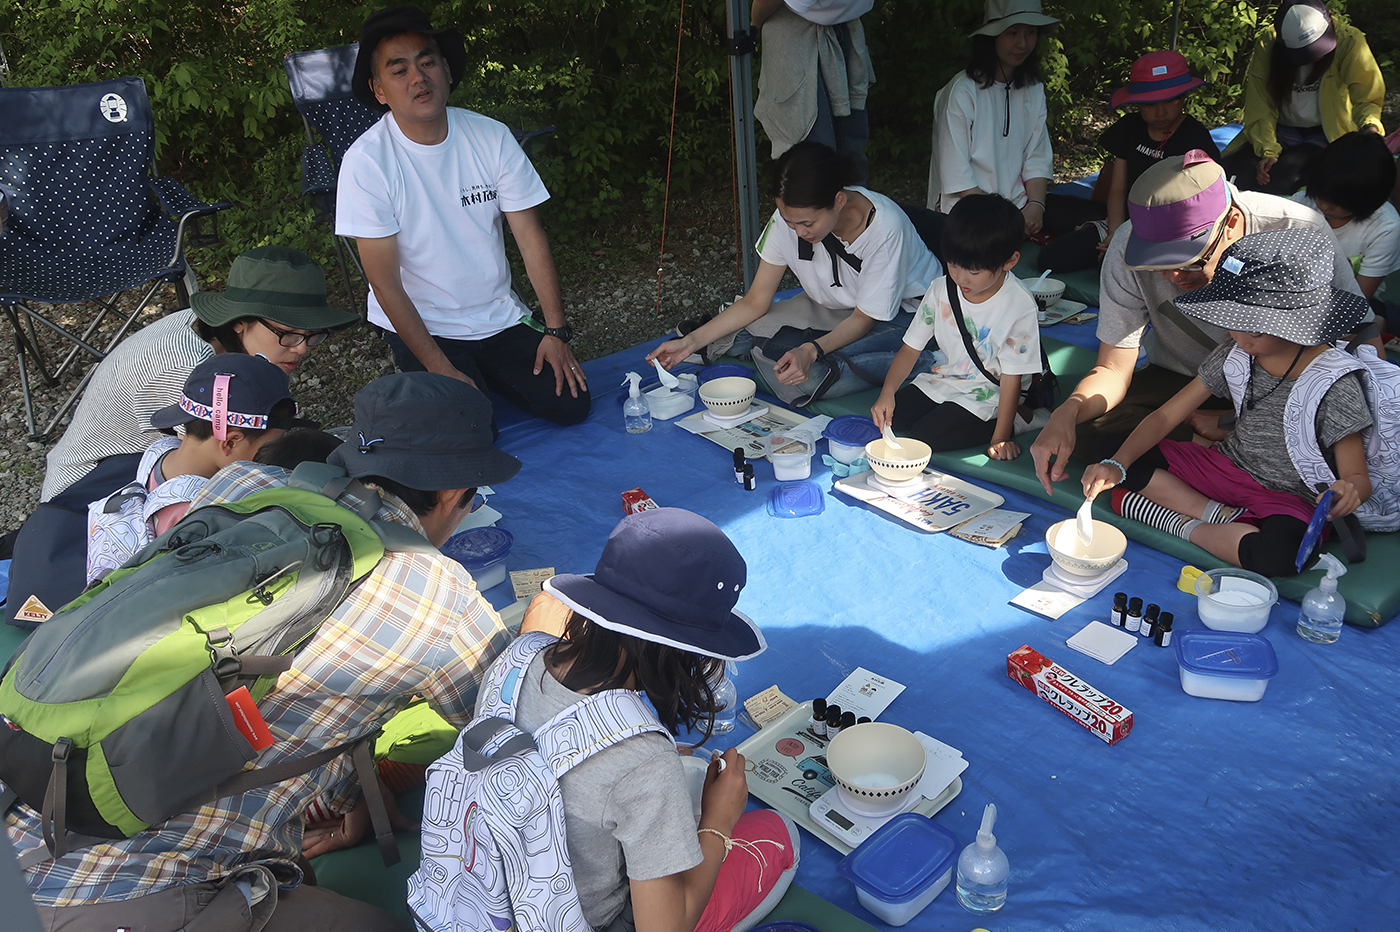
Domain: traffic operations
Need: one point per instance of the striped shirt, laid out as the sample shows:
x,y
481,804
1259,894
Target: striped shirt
x,y
415,626
143,374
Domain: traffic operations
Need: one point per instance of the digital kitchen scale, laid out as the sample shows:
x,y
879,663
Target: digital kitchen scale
x,y
1086,587
726,421
832,815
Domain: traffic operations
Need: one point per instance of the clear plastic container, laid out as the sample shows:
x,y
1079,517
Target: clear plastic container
x,y
482,551
1225,664
1232,599
791,455
902,867
727,700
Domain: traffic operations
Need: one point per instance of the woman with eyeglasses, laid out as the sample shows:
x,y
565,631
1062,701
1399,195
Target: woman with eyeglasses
x,y
274,306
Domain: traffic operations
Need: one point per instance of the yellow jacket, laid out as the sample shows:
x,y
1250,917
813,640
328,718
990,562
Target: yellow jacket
x,y
1351,95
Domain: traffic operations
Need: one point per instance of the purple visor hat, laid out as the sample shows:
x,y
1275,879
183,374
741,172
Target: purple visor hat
x,y
1177,207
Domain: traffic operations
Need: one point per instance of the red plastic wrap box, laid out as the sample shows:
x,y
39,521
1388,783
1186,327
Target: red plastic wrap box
x,y
635,500
1070,694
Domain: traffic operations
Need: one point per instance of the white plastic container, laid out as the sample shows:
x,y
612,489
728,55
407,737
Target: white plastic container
x,y
1225,664
1232,599
847,435
902,867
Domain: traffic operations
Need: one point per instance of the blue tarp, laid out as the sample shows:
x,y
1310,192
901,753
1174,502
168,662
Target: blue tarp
x,y
1274,815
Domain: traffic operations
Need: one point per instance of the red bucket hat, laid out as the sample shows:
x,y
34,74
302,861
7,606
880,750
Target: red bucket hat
x,y
1155,77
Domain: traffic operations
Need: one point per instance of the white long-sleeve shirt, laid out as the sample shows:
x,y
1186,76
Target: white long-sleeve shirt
x,y
993,138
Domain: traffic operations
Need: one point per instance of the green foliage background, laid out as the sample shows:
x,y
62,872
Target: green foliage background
x,y
601,70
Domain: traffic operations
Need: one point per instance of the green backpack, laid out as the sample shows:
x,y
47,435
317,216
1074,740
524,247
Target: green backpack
x,y
115,707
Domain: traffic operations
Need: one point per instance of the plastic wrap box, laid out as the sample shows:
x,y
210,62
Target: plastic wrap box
x,y
1070,694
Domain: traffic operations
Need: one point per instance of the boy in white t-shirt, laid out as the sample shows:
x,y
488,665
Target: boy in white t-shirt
x,y
957,405
1350,183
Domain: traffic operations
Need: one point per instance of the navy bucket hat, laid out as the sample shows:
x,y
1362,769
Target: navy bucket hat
x,y
671,577
426,431
1278,282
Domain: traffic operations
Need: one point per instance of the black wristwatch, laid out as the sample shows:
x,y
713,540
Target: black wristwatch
x,y
565,333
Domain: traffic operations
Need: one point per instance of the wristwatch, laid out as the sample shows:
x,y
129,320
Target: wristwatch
x,y
565,333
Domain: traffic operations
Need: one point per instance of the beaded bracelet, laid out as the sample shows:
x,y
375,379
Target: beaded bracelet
x,y
1121,469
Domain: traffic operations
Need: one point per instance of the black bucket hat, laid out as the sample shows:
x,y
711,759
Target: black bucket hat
x,y
395,21
426,431
669,576
278,284
1278,282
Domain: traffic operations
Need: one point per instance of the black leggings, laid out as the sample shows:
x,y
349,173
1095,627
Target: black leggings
x,y
942,425
1271,552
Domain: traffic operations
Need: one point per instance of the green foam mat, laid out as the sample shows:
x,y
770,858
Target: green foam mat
x,y
799,905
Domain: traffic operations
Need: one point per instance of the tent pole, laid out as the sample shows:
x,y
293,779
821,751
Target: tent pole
x,y
1176,24
741,46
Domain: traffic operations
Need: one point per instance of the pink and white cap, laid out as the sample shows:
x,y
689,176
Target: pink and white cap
x,y
1176,207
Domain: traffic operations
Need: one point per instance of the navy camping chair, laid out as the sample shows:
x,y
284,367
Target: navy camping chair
x,y
320,84
88,221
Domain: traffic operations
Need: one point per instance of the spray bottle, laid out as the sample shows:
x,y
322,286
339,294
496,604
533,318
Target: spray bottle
x,y
636,414
1320,619
982,869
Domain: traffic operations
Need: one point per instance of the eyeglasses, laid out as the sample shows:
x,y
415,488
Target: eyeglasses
x,y
297,337
1200,264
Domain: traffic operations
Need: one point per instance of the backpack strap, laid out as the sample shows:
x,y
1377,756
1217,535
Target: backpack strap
x,y
501,691
1186,325
333,482
595,724
956,304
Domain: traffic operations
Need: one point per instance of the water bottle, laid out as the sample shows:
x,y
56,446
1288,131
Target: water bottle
x,y
727,701
983,869
1320,618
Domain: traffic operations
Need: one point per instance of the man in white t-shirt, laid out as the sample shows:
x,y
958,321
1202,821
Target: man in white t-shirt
x,y
1183,215
424,192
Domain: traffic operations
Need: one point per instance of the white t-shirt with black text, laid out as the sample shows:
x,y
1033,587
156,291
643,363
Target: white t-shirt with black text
x,y
895,265
445,203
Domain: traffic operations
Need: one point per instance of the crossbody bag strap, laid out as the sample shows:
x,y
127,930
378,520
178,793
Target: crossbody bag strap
x,y
1186,325
962,328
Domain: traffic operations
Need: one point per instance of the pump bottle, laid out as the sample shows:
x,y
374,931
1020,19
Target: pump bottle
x,y
1320,619
636,413
983,869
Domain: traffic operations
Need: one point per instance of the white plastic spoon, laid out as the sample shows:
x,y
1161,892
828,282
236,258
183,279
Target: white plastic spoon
x,y
1043,275
1084,522
890,440
667,379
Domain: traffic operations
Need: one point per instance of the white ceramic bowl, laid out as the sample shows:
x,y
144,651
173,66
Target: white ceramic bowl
x,y
876,766
898,465
729,395
1069,554
1050,291
1232,599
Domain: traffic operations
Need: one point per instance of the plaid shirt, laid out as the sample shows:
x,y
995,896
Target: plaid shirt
x,y
415,626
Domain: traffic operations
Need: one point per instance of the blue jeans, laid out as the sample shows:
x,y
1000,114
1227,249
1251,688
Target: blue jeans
x,y
873,353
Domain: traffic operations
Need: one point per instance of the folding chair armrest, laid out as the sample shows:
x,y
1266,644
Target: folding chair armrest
x,y
524,137
179,202
318,175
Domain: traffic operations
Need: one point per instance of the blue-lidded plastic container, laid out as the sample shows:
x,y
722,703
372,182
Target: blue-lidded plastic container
x,y
723,369
1225,664
482,552
796,500
902,867
847,435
